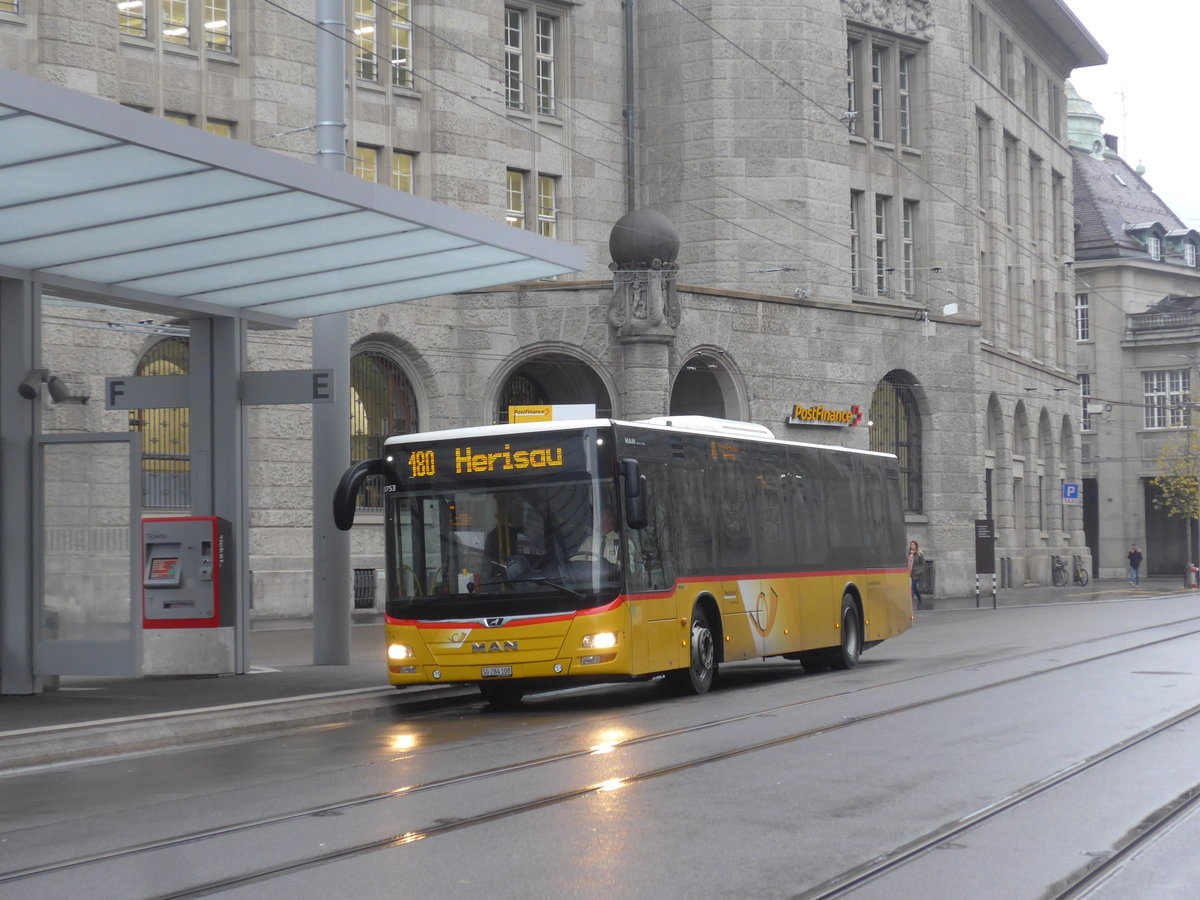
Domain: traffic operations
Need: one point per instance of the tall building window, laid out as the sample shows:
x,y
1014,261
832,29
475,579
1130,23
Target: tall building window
x,y
1011,195
855,243
217,34
547,206
366,37
908,250
382,403
1008,73
1189,254
514,58
366,162
878,107
166,459
882,84
401,44
177,21
219,127
1035,198
1083,331
402,171
983,159
1154,247
1085,399
1056,214
978,39
515,215
131,18
175,27
896,428
1168,396
882,266
1033,82
853,55
904,99
542,52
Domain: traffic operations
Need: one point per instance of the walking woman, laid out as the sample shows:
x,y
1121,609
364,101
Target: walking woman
x,y
916,571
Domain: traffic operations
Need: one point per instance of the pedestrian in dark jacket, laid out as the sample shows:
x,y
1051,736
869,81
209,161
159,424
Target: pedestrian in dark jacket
x,y
1135,562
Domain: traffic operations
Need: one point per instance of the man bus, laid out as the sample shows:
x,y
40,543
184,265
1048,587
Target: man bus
x,y
720,543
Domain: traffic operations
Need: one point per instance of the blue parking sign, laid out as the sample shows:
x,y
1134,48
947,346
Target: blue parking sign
x,y
1070,495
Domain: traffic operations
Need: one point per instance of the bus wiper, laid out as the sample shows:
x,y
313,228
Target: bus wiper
x,y
536,579
541,579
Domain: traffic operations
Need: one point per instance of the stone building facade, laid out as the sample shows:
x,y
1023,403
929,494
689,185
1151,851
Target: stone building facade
x,y
1137,299
837,203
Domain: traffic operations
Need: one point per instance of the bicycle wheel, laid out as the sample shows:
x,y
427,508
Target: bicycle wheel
x,y
1060,576
1081,576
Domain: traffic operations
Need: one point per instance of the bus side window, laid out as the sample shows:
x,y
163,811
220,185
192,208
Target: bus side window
x,y
808,521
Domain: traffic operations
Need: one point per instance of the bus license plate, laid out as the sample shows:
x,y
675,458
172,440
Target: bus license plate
x,y
496,672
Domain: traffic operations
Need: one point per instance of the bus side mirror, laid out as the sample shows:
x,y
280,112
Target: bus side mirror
x,y
346,494
635,493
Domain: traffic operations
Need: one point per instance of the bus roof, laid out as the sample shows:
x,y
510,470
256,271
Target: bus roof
x,y
687,424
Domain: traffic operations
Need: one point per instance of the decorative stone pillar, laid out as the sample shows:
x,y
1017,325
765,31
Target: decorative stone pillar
x,y
644,308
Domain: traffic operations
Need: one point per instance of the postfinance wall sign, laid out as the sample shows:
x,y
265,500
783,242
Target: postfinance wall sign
x,y
823,415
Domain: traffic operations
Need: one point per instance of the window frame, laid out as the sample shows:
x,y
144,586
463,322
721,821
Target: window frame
x,y
176,23
1083,326
1085,395
376,26
883,81
1167,398
533,41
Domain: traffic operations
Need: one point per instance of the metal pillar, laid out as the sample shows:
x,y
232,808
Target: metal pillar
x,y
20,318
217,434
332,596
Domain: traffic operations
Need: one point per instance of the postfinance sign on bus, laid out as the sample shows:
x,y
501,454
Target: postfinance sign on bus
x,y
821,415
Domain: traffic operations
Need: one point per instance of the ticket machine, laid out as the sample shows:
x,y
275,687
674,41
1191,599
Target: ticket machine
x,y
188,596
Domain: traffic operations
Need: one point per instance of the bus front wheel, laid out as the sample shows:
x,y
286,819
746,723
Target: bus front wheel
x,y
698,677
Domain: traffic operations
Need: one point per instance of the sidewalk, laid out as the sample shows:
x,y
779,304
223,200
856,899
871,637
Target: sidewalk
x,y
90,718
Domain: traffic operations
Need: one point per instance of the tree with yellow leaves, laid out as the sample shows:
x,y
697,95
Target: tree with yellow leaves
x,y
1177,479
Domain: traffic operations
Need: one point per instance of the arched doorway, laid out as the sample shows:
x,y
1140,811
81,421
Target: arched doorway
x,y
382,403
553,379
697,390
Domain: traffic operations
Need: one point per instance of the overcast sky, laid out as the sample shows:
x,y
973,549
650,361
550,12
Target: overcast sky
x,y
1147,91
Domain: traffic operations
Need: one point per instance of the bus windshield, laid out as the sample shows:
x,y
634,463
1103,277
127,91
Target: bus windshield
x,y
503,550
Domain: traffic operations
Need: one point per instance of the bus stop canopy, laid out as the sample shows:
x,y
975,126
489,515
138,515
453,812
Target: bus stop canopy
x,y
98,201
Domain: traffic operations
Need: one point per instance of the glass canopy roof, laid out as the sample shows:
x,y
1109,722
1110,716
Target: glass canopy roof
x,y
101,201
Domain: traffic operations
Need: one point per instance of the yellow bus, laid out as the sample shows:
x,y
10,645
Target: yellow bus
x,y
526,557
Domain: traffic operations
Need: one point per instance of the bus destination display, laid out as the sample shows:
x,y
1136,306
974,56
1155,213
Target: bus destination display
x,y
550,454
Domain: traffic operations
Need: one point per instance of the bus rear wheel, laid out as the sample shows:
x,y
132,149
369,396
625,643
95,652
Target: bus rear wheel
x,y
701,672
501,695
846,656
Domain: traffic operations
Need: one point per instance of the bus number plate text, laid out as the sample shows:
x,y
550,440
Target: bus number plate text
x,y
496,672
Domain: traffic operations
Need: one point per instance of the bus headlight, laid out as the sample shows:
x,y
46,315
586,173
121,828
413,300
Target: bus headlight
x,y
399,651
602,641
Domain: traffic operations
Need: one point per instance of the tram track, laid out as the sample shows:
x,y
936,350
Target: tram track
x,y
844,883
847,883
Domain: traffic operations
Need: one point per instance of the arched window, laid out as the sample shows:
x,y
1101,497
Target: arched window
x,y
382,403
166,460
896,428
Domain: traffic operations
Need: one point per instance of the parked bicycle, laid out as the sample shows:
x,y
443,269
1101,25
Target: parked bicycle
x,y
1060,575
1079,574
1058,571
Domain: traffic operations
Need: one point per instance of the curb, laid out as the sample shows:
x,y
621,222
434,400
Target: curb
x,y
106,738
